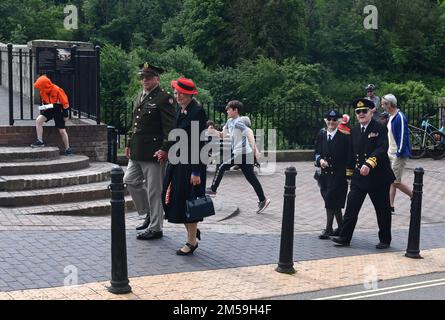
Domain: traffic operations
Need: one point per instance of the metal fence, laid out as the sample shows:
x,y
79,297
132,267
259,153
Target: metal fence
x,y
295,126
76,71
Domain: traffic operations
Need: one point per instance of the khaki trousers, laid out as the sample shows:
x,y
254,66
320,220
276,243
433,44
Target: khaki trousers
x,y
144,182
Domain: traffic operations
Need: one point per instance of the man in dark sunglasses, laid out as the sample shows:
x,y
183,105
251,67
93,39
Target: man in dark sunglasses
x,y
370,172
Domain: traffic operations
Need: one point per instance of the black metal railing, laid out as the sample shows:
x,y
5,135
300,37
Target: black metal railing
x,y
296,126
78,75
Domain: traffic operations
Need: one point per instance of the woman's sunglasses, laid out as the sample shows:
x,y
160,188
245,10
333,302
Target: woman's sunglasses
x,y
332,119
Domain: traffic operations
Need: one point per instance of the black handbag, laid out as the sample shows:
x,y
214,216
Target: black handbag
x,y
199,207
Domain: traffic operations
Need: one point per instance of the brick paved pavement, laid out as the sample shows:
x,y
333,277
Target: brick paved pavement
x,y
35,259
254,282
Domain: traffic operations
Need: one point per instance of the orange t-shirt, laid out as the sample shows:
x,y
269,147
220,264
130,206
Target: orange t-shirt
x,y
50,93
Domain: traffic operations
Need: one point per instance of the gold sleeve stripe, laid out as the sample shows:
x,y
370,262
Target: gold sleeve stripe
x,y
372,162
349,172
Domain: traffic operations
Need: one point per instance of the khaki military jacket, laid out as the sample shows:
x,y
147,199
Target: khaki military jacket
x,y
153,119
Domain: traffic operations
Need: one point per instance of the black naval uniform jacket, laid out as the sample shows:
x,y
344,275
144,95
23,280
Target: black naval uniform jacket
x,y
333,183
370,149
153,119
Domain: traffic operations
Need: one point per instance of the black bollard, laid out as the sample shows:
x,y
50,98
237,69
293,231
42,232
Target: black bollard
x,y
119,273
412,251
286,262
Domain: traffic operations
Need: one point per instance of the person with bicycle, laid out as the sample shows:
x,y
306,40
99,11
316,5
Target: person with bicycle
x,y
399,145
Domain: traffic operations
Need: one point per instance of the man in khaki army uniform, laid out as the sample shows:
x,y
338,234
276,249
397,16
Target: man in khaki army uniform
x,y
154,116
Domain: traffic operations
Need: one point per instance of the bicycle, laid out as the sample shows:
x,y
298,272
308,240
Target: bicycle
x,y
427,140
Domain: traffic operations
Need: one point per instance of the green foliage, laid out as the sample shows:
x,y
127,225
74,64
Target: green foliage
x,y
275,53
224,86
115,81
410,96
409,93
186,63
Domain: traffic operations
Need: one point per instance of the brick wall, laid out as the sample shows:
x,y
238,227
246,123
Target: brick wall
x,y
89,140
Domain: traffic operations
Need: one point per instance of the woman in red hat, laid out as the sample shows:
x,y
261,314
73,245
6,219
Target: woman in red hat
x,y
186,176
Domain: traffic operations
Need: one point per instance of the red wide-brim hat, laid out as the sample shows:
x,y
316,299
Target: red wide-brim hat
x,y
184,85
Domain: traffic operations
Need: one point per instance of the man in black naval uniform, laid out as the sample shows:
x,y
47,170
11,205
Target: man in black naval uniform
x,y
154,116
370,172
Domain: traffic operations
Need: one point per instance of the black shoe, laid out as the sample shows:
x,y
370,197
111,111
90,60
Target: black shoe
x,y
336,232
382,245
149,235
68,152
325,234
198,234
144,224
191,247
340,241
38,143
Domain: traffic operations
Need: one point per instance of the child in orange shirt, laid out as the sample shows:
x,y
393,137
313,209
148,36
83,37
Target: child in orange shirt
x,y
50,94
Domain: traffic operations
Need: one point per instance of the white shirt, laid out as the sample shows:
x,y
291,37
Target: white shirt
x,y
392,142
332,134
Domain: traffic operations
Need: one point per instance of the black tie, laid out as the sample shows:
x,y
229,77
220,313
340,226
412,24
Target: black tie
x,y
329,138
143,96
363,130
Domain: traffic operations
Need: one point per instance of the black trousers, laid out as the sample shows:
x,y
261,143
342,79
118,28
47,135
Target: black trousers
x,y
245,162
380,200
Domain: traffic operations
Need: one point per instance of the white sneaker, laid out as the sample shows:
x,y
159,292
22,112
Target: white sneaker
x,y
263,205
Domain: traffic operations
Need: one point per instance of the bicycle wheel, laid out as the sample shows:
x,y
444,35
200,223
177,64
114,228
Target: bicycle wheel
x,y
416,138
436,146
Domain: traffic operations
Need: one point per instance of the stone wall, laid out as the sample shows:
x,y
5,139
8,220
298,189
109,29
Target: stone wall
x,y
86,139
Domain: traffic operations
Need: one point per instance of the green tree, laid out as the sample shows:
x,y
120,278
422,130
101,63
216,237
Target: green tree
x,y
115,80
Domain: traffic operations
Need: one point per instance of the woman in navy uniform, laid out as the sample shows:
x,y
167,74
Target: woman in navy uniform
x,y
190,171
371,174
331,155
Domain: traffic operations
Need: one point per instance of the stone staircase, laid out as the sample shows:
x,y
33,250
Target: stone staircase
x,y
39,181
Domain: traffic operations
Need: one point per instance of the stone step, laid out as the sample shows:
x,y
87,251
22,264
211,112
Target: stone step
x,y
21,154
96,172
64,163
85,208
82,192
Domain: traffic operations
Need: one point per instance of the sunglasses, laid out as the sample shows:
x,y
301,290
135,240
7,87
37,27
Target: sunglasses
x,y
364,111
332,119
146,77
